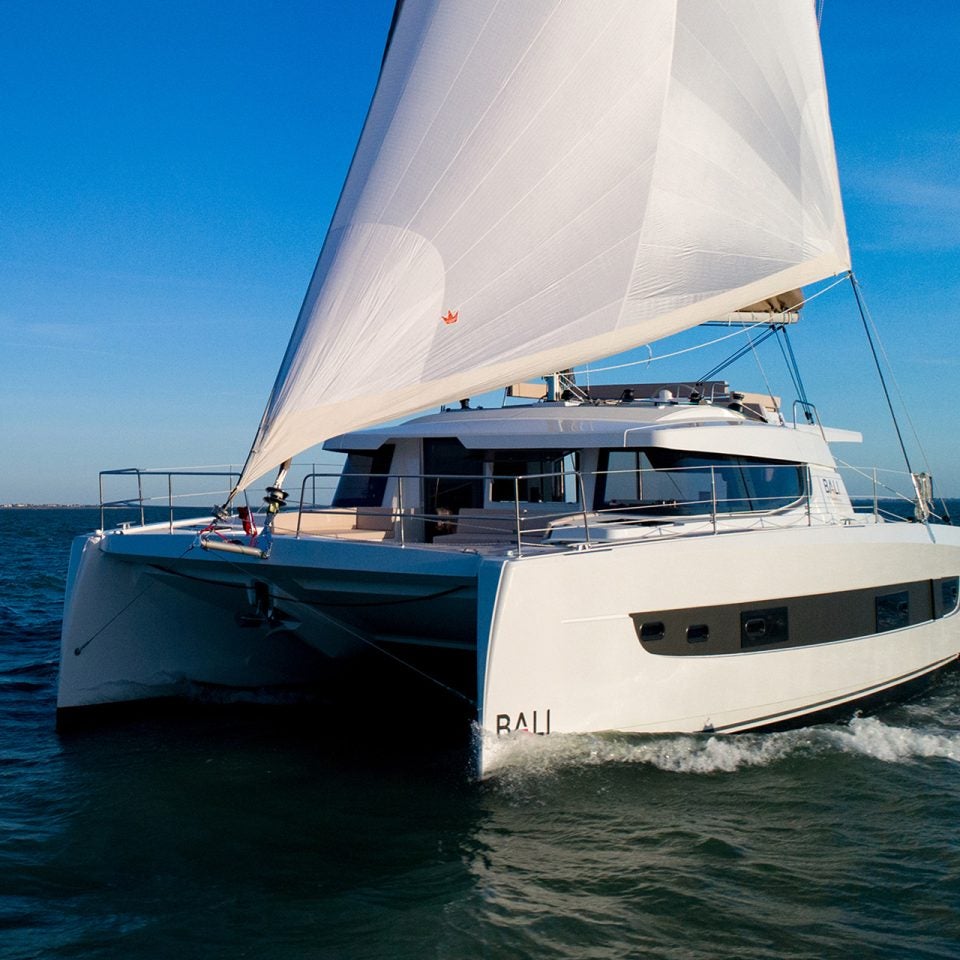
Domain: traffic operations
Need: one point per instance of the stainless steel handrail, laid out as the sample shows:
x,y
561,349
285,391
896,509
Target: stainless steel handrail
x,y
532,519
401,515
140,502
810,414
717,506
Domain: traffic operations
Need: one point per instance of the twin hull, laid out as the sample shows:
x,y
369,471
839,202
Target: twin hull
x,y
557,641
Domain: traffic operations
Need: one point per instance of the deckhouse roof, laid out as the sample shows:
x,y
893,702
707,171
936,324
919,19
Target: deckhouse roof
x,y
563,425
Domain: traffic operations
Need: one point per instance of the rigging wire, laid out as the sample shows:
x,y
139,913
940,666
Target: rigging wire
x,y
876,360
763,373
363,638
868,325
790,362
676,353
737,354
316,607
700,346
566,380
86,643
798,380
894,493
893,377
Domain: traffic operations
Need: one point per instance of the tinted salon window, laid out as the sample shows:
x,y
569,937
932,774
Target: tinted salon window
x,y
542,476
675,483
364,478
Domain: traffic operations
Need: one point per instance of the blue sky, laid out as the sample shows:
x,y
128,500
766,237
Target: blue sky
x,y
168,169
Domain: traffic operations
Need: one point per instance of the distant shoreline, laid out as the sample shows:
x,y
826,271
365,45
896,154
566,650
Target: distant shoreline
x,y
49,506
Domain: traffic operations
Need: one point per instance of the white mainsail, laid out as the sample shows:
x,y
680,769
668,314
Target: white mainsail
x,y
543,182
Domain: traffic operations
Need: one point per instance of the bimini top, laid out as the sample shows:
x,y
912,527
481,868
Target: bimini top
x,y
551,426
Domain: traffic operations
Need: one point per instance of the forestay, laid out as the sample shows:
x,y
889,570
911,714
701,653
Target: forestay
x,y
542,183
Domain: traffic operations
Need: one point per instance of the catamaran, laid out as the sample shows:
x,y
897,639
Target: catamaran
x,y
536,186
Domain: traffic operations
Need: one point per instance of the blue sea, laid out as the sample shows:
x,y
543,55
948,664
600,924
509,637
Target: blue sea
x,y
240,835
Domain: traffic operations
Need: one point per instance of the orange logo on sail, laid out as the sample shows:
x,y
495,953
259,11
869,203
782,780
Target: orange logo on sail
x,y
451,317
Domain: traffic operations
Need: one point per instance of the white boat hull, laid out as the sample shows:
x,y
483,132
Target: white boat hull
x,y
564,656
550,638
150,615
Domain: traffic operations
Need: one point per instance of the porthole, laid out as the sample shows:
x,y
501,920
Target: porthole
x,y
652,630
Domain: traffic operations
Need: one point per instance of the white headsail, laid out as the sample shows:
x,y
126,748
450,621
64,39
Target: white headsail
x,y
545,182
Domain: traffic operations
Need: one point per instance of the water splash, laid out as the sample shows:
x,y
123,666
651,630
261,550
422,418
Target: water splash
x,y
872,737
700,754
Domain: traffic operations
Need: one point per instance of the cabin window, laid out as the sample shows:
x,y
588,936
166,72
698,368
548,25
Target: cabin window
x,y
698,633
669,482
893,611
949,594
621,482
363,480
542,476
652,630
760,627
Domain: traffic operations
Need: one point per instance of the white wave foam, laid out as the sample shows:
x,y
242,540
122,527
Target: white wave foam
x,y
873,738
678,754
529,755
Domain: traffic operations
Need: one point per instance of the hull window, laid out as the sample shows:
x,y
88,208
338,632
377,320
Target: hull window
x,y
652,631
893,611
949,595
730,628
759,627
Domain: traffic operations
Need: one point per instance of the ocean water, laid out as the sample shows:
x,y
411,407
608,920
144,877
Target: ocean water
x,y
240,835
